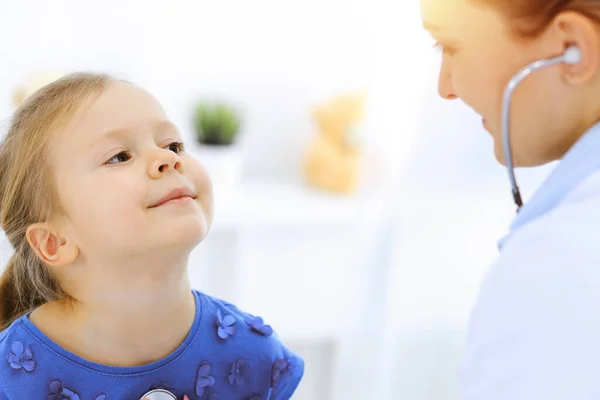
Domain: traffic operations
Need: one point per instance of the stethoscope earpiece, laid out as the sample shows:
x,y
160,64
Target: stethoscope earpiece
x,y
572,55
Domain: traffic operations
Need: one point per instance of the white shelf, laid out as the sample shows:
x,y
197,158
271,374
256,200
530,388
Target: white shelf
x,y
276,204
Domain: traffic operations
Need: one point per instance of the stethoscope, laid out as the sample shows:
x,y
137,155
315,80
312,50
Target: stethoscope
x,y
159,394
572,55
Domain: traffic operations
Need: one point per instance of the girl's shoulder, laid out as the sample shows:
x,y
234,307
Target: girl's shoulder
x,y
14,333
229,324
244,347
230,320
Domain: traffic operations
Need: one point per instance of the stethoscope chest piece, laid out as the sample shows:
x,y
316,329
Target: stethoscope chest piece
x,y
159,394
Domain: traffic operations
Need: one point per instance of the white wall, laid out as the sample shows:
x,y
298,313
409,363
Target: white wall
x,y
274,58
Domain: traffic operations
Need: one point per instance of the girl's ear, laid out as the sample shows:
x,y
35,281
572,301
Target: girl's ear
x,y
52,248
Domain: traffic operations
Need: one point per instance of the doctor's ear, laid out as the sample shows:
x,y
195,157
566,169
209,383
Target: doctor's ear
x,y
579,40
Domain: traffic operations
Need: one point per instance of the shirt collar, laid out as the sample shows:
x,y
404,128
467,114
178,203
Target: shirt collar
x,y
580,161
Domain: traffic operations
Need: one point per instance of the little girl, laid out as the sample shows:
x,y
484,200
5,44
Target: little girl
x,y
103,206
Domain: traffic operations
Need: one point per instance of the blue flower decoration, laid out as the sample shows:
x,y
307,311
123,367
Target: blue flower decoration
x,y
101,397
205,379
59,392
213,396
279,367
238,370
254,397
257,324
225,325
21,357
283,366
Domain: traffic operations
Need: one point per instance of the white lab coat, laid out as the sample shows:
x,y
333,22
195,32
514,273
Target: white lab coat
x,y
535,330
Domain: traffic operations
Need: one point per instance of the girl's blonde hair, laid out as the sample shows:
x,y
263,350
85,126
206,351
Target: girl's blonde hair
x,y
27,192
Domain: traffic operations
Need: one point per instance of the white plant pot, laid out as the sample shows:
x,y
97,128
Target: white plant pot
x,y
224,165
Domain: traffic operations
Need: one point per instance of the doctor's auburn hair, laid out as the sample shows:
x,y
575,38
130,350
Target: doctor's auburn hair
x,y
531,17
28,189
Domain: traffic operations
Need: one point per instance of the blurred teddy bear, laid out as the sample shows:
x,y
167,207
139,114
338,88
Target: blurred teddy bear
x,y
34,82
334,155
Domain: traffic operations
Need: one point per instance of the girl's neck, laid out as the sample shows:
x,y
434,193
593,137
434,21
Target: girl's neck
x,y
122,324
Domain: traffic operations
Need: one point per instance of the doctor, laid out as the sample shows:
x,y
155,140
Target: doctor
x,y
535,329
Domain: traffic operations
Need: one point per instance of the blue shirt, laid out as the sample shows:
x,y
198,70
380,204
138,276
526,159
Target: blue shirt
x,y
227,354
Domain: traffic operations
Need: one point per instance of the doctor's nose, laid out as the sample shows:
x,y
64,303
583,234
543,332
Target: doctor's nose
x,y
445,87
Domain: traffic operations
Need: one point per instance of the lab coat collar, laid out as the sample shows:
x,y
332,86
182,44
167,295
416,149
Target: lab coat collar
x,y
580,161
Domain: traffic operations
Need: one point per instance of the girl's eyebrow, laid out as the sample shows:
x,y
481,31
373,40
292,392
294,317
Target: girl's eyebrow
x,y
121,133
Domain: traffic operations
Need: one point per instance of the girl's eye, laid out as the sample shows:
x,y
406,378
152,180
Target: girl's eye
x,y
121,157
176,147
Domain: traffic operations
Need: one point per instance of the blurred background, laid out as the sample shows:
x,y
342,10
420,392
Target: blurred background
x,y
355,210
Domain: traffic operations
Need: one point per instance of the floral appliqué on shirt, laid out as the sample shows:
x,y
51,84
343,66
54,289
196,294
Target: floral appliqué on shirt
x,y
257,324
21,357
225,325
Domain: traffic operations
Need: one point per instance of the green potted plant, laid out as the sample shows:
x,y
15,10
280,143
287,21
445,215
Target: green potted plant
x,y
217,126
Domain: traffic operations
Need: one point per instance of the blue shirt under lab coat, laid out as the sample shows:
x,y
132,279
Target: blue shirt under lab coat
x,y
535,330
